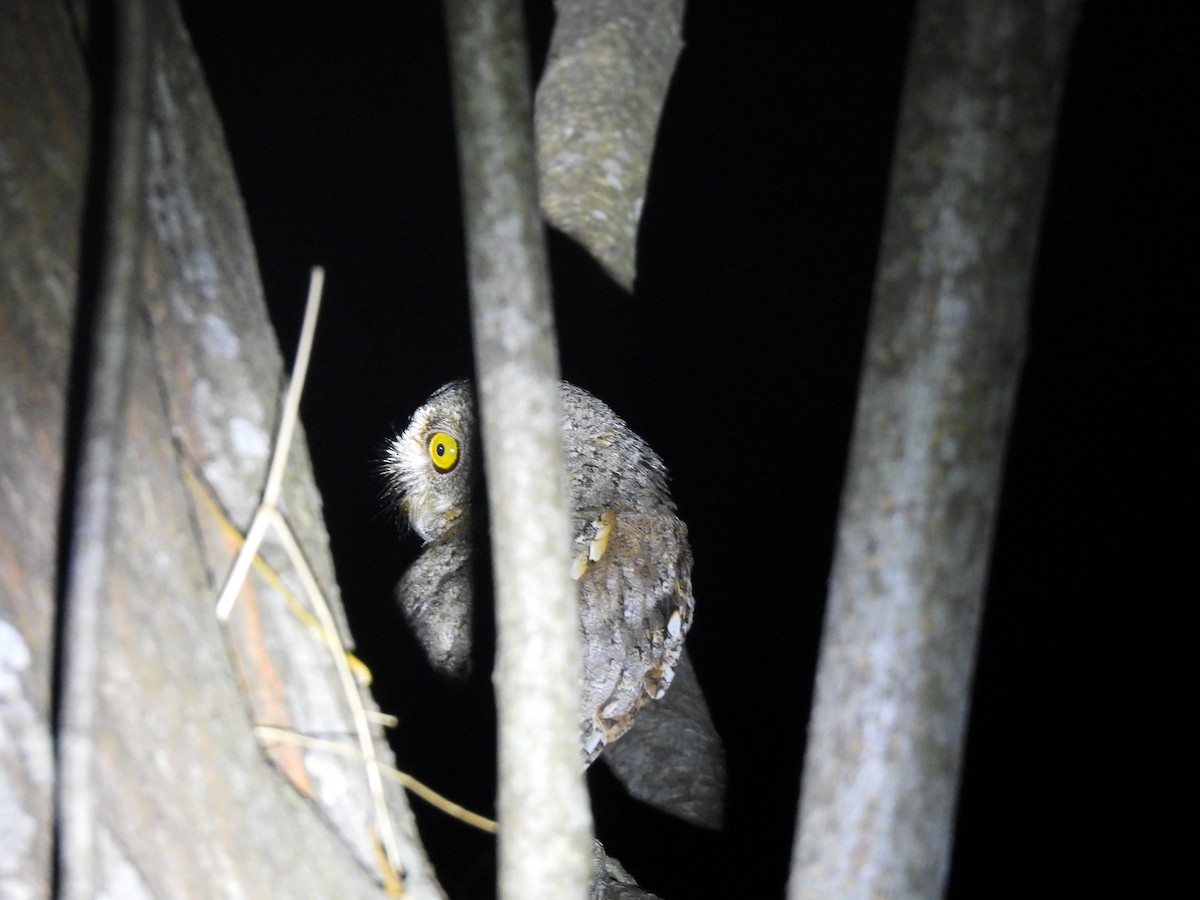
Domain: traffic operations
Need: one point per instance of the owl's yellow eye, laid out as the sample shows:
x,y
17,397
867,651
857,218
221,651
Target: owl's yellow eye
x,y
443,451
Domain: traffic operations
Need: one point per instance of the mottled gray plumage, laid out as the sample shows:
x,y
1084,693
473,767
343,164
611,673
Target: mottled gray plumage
x,y
631,558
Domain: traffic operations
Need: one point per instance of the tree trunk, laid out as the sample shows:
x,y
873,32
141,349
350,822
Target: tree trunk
x,y
943,354
186,801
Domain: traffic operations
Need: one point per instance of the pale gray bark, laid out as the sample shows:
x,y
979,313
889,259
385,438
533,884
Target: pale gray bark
x,y
545,822
171,794
597,112
42,164
943,354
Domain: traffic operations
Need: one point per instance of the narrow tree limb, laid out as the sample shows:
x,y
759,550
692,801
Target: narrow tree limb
x,y
943,354
92,530
545,825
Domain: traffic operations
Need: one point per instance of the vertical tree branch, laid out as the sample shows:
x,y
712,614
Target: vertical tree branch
x,y
942,359
545,848
86,583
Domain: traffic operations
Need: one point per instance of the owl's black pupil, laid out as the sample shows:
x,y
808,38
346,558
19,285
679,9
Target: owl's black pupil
x,y
440,450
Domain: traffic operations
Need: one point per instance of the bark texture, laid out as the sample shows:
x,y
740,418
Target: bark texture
x,y
597,112
186,801
943,354
43,157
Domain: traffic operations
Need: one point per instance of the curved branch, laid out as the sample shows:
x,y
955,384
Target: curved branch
x,y
596,116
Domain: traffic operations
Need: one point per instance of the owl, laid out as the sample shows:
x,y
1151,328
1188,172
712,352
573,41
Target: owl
x,y
631,561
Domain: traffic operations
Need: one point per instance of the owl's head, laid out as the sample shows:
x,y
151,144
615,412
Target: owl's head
x,y
428,467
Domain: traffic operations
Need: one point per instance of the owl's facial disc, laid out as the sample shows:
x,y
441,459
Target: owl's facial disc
x,y
428,465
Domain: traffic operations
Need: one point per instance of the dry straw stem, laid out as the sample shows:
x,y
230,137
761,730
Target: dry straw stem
x,y
266,515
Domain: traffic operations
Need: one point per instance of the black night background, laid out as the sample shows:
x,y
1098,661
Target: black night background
x,y
737,359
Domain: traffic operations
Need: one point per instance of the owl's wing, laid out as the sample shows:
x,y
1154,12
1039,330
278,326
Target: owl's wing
x,y
634,572
436,597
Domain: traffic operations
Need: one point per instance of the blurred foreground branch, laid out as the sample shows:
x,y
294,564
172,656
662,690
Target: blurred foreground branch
x,y
943,354
545,823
